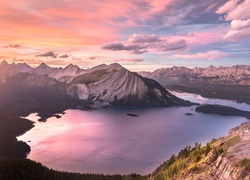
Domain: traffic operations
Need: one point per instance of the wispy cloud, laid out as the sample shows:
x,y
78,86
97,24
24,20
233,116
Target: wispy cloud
x,y
47,54
144,38
64,56
129,60
131,48
210,55
12,46
142,43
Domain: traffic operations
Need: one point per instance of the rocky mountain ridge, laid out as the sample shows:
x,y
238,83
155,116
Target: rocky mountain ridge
x,y
235,75
103,85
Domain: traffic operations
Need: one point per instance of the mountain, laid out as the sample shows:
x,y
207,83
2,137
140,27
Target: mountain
x,y
118,86
101,86
66,74
8,70
235,75
43,69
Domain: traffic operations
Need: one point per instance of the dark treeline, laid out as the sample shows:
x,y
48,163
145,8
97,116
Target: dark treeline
x,y
24,169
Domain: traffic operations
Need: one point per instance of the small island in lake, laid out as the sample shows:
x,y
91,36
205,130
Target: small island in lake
x,y
132,115
189,114
222,110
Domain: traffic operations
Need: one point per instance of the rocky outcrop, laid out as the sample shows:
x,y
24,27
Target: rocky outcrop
x,y
226,166
225,169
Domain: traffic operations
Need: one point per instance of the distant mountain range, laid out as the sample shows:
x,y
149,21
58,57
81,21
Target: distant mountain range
x,y
100,86
235,75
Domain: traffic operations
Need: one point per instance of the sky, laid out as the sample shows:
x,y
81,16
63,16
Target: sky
x,y
141,35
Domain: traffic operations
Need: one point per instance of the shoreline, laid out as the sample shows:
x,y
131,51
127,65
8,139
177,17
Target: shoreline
x,y
146,175
179,149
212,92
206,161
18,116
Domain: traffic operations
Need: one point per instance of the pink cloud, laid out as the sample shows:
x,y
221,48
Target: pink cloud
x,y
240,24
203,37
129,60
241,11
229,6
235,35
142,43
144,38
210,55
238,13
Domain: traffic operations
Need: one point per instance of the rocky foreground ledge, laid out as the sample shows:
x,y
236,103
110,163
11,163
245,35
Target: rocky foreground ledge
x,y
226,158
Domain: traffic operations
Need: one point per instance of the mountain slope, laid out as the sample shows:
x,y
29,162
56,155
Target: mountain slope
x,y
103,85
43,69
8,70
66,74
118,86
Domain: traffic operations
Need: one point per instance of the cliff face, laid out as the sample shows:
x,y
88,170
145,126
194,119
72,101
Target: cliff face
x,y
226,165
228,159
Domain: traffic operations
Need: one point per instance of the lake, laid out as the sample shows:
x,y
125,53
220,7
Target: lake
x,y
108,141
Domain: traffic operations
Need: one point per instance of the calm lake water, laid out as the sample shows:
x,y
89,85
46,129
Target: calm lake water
x,y
108,141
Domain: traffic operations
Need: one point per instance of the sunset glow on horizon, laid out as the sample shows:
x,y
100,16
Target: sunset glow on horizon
x,y
138,34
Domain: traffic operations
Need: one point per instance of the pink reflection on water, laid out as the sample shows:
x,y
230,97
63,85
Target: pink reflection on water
x,y
108,141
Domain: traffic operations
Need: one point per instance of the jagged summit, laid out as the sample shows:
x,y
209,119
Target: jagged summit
x,y
72,66
43,69
66,74
4,63
42,65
